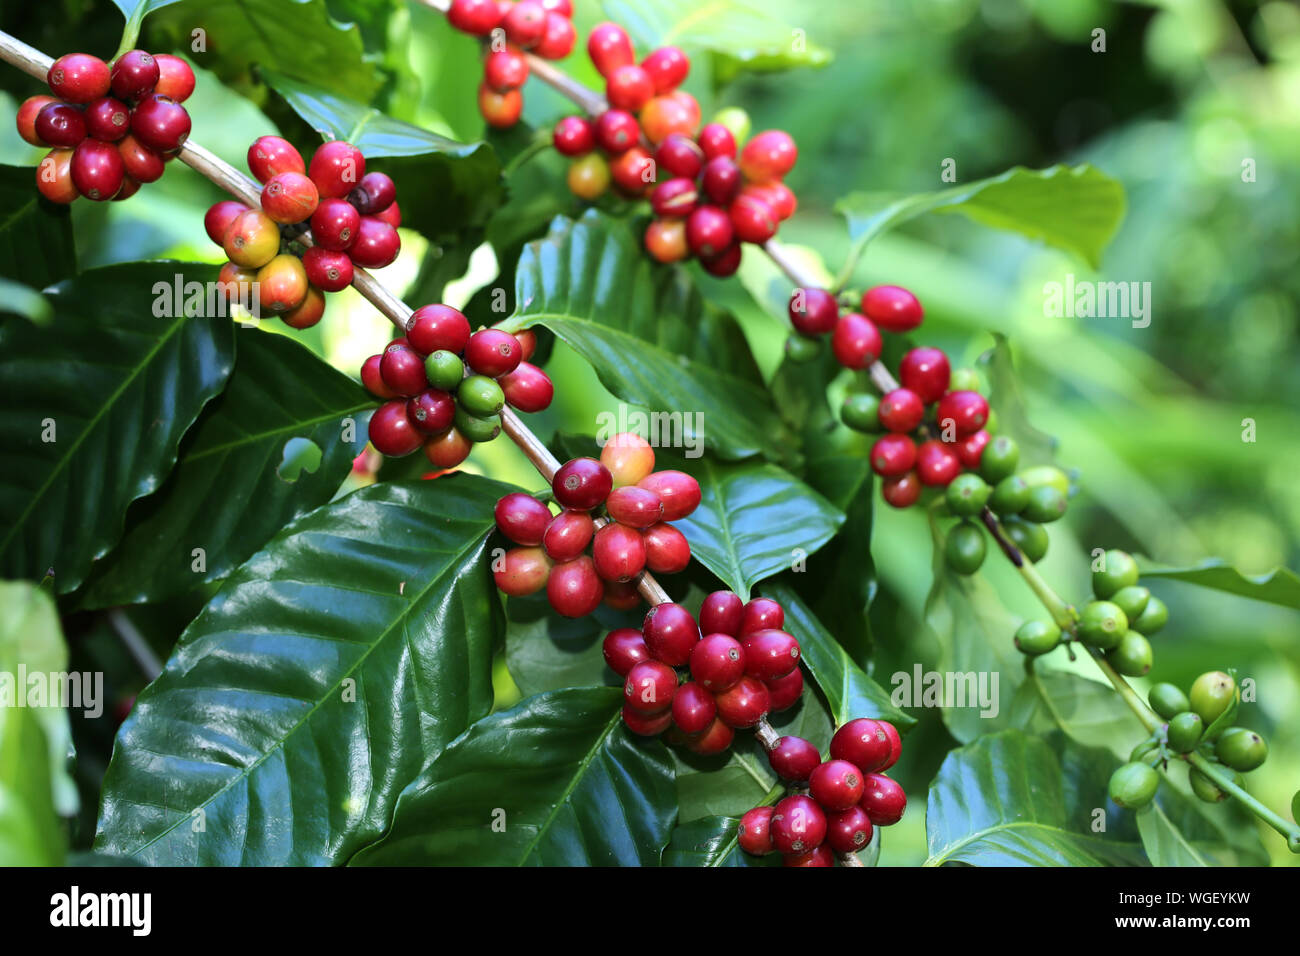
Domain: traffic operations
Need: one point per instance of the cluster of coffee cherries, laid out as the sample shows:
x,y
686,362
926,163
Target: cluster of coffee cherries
x,y
838,801
430,400
109,128
739,666
620,507
1118,621
543,28
353,217
1196,722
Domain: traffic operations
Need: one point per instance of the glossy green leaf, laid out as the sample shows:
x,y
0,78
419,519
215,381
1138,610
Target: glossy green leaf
x,y
1009,799
1164,843
1180,829
94,407
19,299
327,671
1088,711
228,494
711,841
136,10
849,691
650,337
554,781
444,186
1075,208
1279,586
36,246
545,651
1005,396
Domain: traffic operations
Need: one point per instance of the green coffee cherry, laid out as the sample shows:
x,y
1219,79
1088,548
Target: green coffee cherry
x,y
1134,785
1102,625
1010,495
1046,503
1241,749
736,120
1142,751
967,494
480,396
999,458
1153,617
444,370
1211,694
1204,787
800,349
1047,476
965,547
1167,700
1185,732
861,412
474,428
1118,570
1132,600
1031,539
1037,637
964,380
1131,656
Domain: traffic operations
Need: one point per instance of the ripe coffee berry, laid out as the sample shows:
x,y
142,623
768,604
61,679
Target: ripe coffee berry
x,y
721,613
819,857
937,463
650,687
558,37
674,197
617,131
721,180
334,223
574,136
618,552
54,177
629,458
754,834
629,88
892,307
78,77
527,388
761,614
666,549
175,78
647,725
574,589
108,119
836,785
813,311
926,372
403,370
849,830
58,124
693,708
716,140
770,654
331,271
794,759
160,122
307,312
282,283
634,507
680,155
505,70
784,692
901,491
219,217
447,450
580,484
269,156
523,571
883,799
609,48
289,198
632,171
893,456
744,704
714,740
667,67
901,411
717,662
675,112
391,431
97,169
725,263
970,450
376,245
336,167
671,633
143,163
708,231
798,824
679,492
525,23
438,327
752,219
624,648
855,341
768,156
26,119
478,17
568,534
134,74
493,353
501,110
432,412
967,411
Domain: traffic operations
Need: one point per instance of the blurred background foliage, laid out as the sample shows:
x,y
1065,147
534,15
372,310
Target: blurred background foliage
x,y
1186,95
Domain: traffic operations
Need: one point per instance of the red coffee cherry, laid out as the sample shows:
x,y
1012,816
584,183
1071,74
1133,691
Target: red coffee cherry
x,y
820,856
754,834
26,119
523,571
716,140
78,77
622,595
493,353
377,244
937,463
785,691
693,708
901,491
619,552
680,155
855,341
679,492
725,263
574,588
778,196
505,70
97,169
667,67
527,340
175,78
143,163
568,534
768,156
633,171
752,219
968,411
813,311
926,372
609,48
54,177
574,136
893,456
434,328
862,742
371,377
901,411
289,198
761,614
717,662
478,17
675,197
331,271
721,180
892,308
647,725
629,88
617,131
713,741
794,759
219,217
634,507
744,704
848,831
269,156
721,613
307,312
666,549
580,484
970,450
527,388
281,283
650,687
836,785
798,824
883,800
671,633
160,122
134,75
525,23
522,518
58,124
624,648
336,167
432,412
675,112
709,231
447,450
107,119
391,431
558,37
895,744
770,654
335,224
403,370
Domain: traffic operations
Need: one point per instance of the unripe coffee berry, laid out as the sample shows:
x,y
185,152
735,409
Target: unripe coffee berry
x,y
1133,785
1153,617
447,450
1118,570
1132,656
1037,637
1102,624
1167,700
1211,694
1184,732
999,459
1241,749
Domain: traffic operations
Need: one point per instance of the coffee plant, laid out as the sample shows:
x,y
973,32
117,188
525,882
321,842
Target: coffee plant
x,y
658,643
